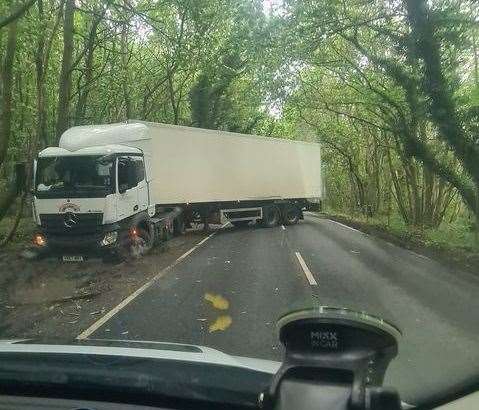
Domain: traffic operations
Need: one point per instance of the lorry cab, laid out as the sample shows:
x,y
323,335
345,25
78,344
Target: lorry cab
x,y
80,197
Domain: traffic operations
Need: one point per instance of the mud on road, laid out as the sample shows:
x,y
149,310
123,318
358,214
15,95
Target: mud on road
x,y
52,299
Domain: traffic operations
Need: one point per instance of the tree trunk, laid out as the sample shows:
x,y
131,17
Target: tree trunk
x,y
41,126
42,58
174,105
124,67
476,57
65,83
427,200
16,222
7,85
80,108
397,188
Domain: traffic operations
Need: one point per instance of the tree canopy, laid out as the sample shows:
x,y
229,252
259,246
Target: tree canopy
x,y
390,88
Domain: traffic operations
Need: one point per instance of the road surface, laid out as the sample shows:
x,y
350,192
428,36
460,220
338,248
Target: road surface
x,y
229,292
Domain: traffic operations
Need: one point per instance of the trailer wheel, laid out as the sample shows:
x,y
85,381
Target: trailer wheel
x,y
271,216
168,232
179,226
291,214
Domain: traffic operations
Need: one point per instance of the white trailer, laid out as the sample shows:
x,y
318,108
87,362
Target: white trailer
x,y
158,177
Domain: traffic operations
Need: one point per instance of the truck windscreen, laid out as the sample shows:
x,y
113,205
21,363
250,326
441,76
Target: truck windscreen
x,y
83,176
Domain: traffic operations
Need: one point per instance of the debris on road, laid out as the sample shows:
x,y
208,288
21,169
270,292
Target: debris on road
x,y
221,323
34,291
218,301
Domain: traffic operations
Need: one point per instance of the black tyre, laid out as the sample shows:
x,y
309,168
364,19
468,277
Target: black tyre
x,y
140,240
179,226
291,214
240,224
271,216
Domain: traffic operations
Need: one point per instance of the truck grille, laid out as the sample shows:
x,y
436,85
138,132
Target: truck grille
x,y
71,224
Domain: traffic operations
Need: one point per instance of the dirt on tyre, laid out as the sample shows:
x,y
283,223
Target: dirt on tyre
x,y
139,242
179,227
271,216
291,214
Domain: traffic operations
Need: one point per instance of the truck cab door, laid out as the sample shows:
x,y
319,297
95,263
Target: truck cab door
x,y
127,185
139,169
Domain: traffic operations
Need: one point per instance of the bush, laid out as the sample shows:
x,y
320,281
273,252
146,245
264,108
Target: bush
x,y
24,231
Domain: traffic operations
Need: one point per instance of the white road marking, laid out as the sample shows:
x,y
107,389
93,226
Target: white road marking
x,y
95,326
306,270
345,226
420,256
283,228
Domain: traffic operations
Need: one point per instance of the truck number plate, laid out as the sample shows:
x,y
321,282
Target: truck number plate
x,y
72,258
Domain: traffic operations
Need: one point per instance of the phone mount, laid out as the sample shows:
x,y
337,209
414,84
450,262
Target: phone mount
x,y
347,350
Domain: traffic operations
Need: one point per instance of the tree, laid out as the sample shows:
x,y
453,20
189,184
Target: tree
x,y
208,97
16,13
371,48
65,82
442,106
7,87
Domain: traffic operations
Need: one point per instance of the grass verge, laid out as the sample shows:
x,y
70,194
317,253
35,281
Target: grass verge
x,y
454,244
23,234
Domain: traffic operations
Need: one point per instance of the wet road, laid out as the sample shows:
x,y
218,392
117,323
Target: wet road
x,y
229,292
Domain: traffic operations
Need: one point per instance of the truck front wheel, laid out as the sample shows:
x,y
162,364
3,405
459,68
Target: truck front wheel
x,y
141,238
271,216
179,226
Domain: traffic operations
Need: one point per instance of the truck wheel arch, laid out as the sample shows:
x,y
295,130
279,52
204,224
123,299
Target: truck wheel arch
x,y
141,219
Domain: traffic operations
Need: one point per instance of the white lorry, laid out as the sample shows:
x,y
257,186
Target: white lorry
x,y
124,187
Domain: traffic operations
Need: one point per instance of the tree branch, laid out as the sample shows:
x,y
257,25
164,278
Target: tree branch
x,y
17,13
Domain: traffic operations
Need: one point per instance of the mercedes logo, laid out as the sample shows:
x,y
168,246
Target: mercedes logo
x,y
70,220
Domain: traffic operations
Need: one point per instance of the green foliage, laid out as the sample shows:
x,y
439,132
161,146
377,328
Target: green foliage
x,y
351,75
24,232
393,141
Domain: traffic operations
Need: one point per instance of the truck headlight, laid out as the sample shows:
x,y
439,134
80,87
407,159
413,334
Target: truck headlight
x,y
39,240
109,239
